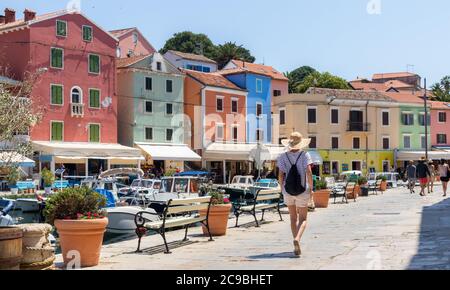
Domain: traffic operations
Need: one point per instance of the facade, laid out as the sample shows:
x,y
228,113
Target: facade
x,y
75,59
440,125
150,92
351,130
217,110
132,43
191,61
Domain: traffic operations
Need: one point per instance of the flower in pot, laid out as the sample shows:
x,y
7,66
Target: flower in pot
x,y
321,194
383,185
13,177
76,213
49,179
219,212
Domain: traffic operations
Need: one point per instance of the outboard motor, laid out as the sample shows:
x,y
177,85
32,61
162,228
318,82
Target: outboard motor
x,y
5,219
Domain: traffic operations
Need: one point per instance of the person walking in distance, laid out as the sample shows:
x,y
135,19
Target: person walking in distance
x,y
444,174
297,184
423,173
411,175
432,169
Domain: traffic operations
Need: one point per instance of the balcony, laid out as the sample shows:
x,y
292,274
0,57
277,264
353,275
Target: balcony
x,y
358,127
77,110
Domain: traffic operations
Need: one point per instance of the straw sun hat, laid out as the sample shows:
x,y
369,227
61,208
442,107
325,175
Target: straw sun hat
x,y
296,142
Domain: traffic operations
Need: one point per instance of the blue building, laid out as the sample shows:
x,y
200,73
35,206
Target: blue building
x,y
259,110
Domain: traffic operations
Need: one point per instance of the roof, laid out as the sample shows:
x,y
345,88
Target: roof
x,y
21,23
192,56
440,105
212,79
242,66
128,61
382,87
407,98
351,94
393,75
120,32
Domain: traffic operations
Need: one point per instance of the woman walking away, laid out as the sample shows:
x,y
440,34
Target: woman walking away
x,y
411,174
444,174
297,184
423,173
432,176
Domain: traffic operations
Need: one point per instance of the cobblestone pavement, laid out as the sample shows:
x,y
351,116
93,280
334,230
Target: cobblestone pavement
x,y
396,230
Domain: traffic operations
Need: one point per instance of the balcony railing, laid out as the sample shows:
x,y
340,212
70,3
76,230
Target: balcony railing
x,y
358,127
77,110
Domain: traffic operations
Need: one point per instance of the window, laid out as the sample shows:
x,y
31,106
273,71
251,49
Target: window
x,y
282,117
61,28
312,116
407,119
356,143
57,58
148,107
56,95
422,119
259,85
57,133
119,52
87,33
94,64
334,142
326,168
158,66
259,135
76,96
148,84
94,98
442,139
423,142
385,118
169,86
94,133
219,132
234,106
407,141
335,167
169,109
135,38
442,117
334,116
259,110
276,93
234,132
386,143
169,135
219,104
313,144
148,133
356,165
206,69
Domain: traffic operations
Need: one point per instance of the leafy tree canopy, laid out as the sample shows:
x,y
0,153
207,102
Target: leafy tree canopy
x,y
229,51
322,80
297,76
441,90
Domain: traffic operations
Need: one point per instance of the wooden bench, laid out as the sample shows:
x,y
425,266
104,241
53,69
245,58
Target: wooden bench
x,y
265,199
177,213
374,188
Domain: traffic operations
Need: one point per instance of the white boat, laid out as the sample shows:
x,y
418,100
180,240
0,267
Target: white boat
x,y
28,204
121,219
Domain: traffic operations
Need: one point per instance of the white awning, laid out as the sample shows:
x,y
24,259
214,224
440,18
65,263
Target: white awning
x,y
417,155
316,157
15,159
229,151
78,151
169,152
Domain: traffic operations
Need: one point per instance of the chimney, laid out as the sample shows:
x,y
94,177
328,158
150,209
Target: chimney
x,y
2,19
10,15
29,15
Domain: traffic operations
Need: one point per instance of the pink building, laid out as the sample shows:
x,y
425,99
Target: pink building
x,y
440,124
132,43
76,87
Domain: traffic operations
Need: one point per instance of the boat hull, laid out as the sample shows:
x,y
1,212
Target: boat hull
x,y
121,219
28,205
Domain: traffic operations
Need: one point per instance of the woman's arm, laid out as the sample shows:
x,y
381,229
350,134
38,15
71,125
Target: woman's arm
x,y
281,178
309,177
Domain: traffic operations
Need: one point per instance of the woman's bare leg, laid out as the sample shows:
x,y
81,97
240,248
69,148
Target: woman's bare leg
x,y
302,222
294,220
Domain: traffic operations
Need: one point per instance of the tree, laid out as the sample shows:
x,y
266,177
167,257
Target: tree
x,y
190,42
322,80
229,51
441,90
297,76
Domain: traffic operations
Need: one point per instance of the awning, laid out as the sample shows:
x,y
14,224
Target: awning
x,y
15,159
229,151
417,155
80,151
169,152
316,157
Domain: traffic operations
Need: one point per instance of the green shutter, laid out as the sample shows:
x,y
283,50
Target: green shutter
x,y
94,133
57,58
94,63
87,33
94,99
61,28
57,131
57,95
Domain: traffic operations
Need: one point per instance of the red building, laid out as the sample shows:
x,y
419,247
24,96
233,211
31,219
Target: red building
x,y
132,43
76,87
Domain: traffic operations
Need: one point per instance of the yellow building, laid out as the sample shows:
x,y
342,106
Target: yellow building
x,y
352,130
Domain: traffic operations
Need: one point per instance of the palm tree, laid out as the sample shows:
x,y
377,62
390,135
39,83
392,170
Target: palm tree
x,y
441,90
229,51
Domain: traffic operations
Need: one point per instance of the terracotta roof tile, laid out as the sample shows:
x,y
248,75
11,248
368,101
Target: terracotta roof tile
x,y
127,61
407,98
392,75
212,79
119,32
382,87
192,56
351,94
266,70
22,23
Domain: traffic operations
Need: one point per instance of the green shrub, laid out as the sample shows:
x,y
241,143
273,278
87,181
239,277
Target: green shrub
x,y
321,184
382,178
73,204
48,177
362,180
13,176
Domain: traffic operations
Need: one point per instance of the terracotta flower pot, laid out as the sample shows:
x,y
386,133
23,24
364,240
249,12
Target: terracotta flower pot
x,y
322,198
383,186
84,236
218,219
354,193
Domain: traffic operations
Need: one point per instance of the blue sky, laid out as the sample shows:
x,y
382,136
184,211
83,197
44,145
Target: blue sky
x,y
336,36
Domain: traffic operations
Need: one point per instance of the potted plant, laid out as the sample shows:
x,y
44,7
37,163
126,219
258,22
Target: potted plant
x,y
383,185
321,194
219,212
49,179
76,213
363,188
13,177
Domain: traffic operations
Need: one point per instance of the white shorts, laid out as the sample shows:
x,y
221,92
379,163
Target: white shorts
x,y
300,201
